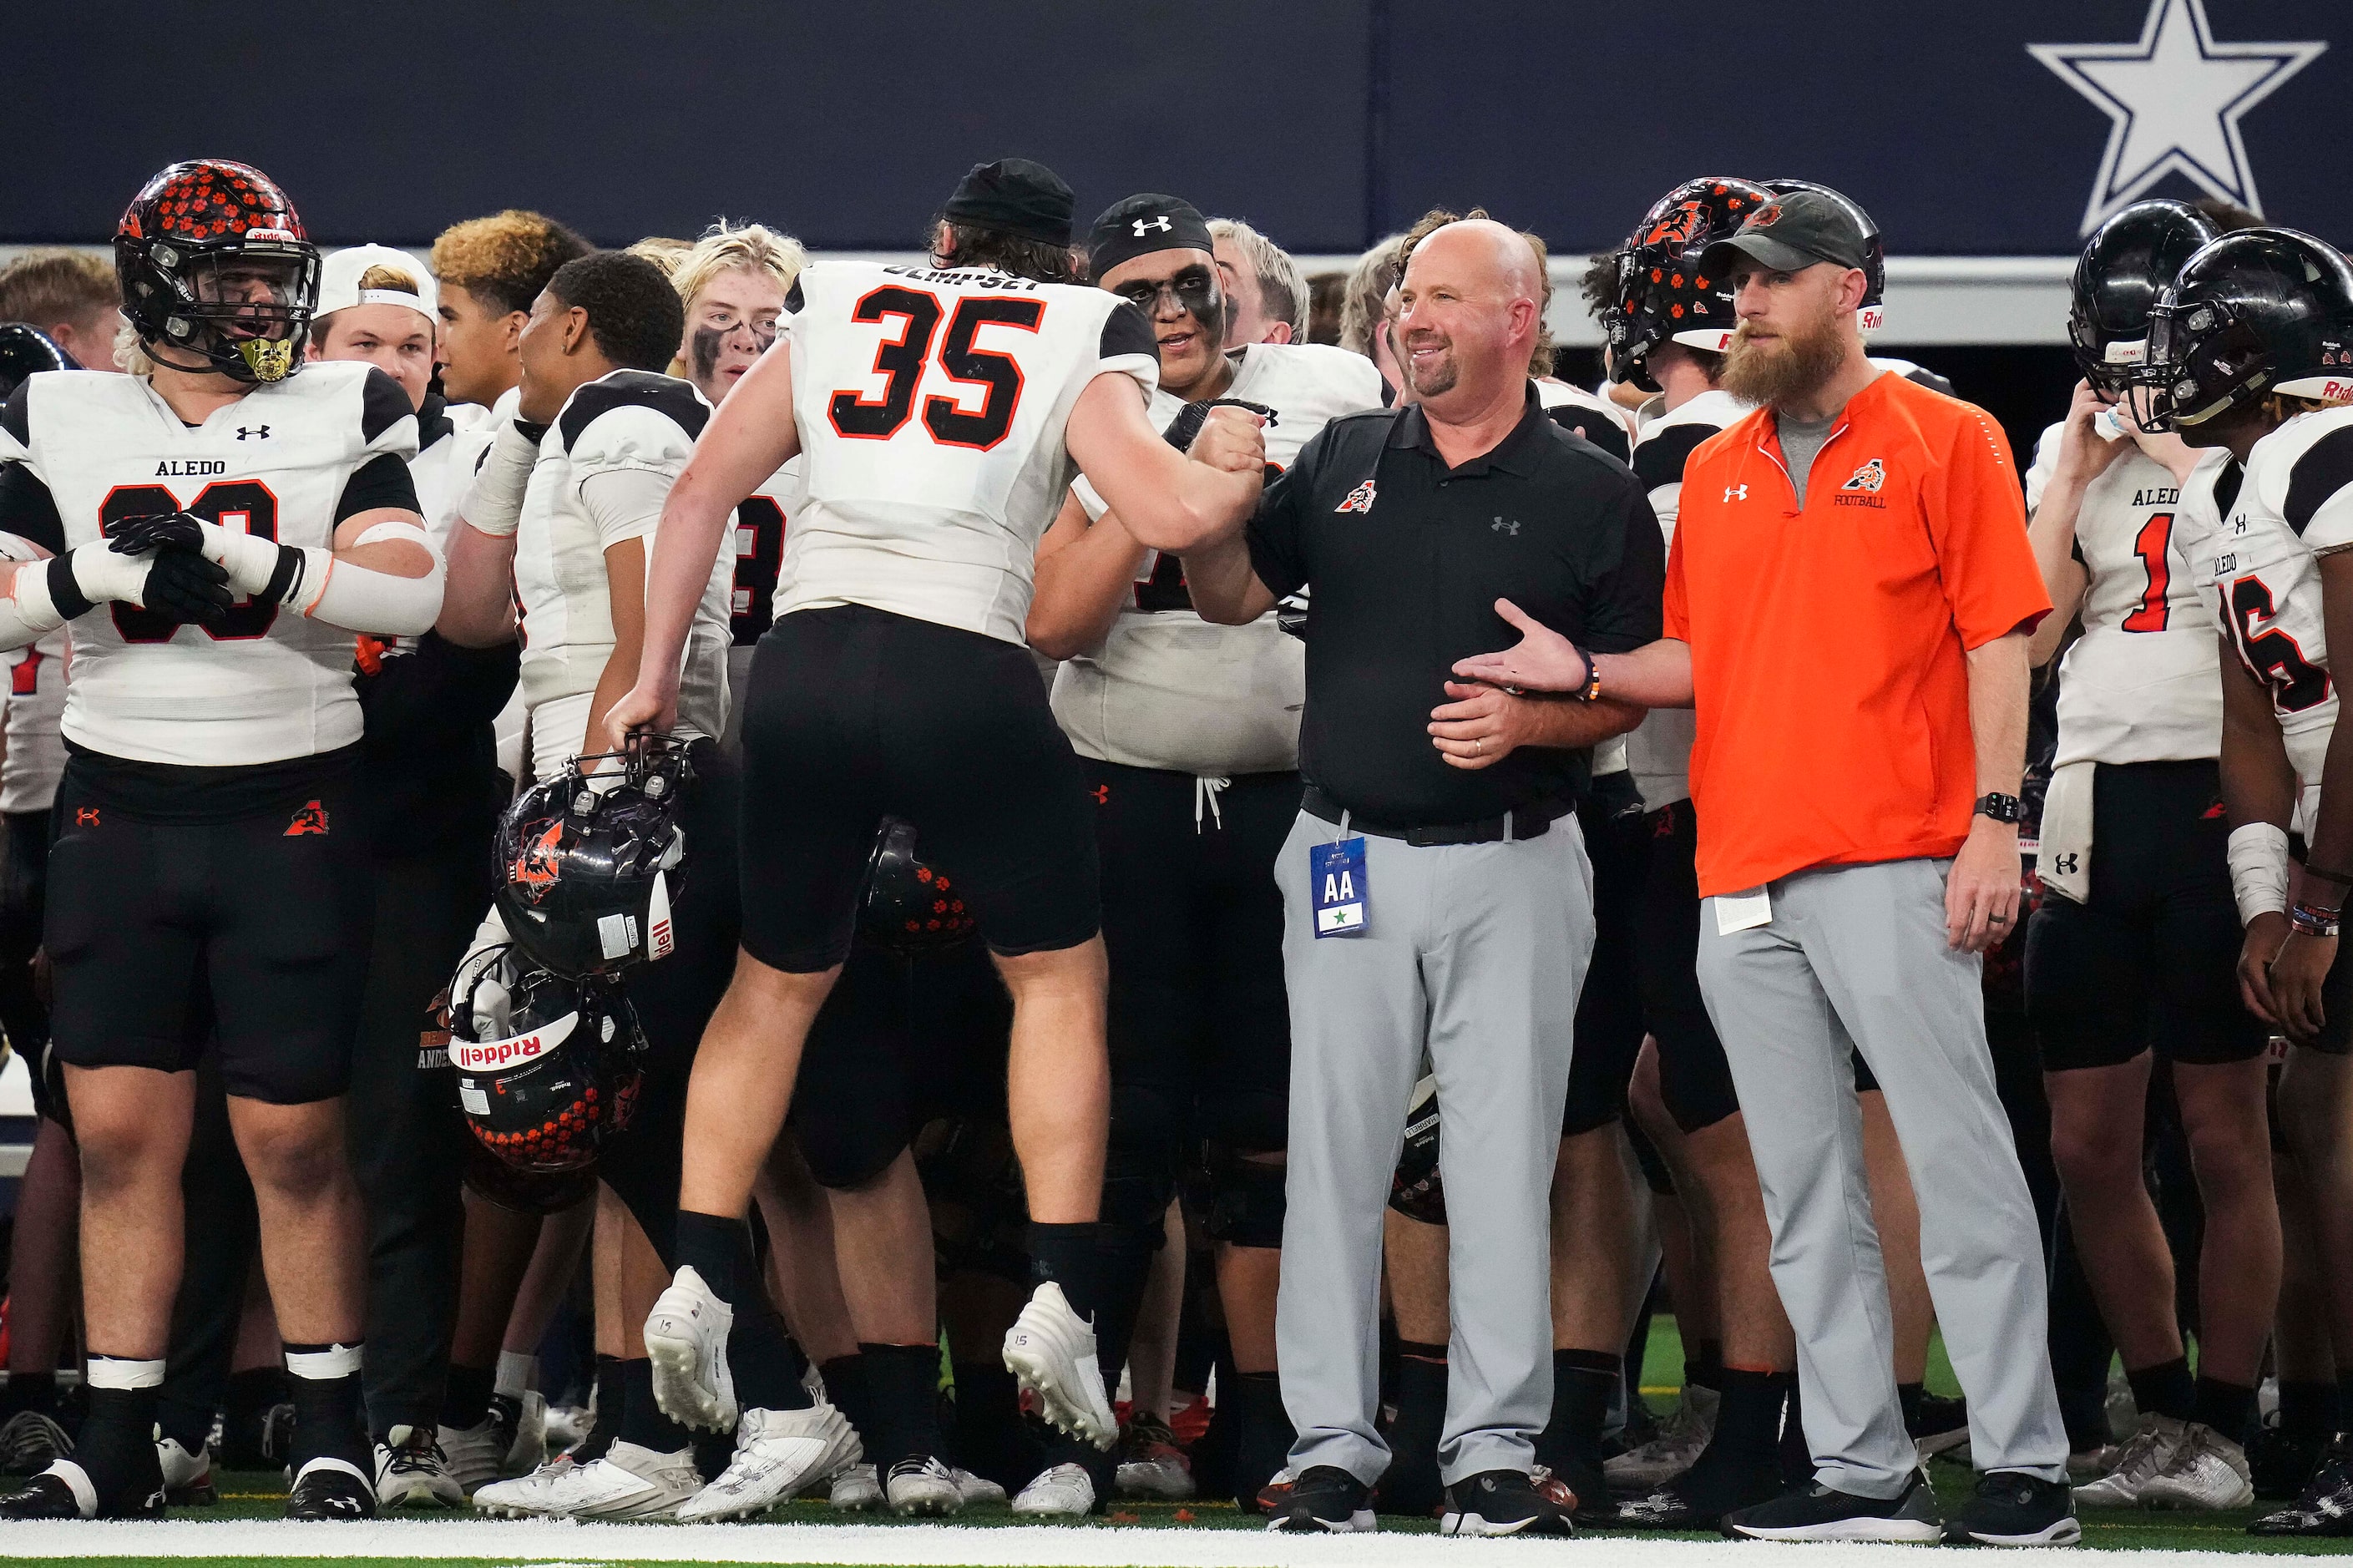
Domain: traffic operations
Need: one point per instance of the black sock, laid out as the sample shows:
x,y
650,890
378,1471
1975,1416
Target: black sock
x,y
1707,1366
1797,1454
2165,1389
1263,1432
903,1384
2307,1409
330,1419
1074,1256
849,1390
604,1423
2344,1396
1411,1485
2228,1407
189,1425
991,1440
466,1396
765,1363
1583,1384
641,1421
1909,1395
30,1391
117,1446
1748,1422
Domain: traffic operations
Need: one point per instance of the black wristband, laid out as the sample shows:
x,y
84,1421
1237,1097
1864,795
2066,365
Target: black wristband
x,y
283,577
64,592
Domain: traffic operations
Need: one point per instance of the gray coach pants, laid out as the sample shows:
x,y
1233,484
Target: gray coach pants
x,y
1856,955
1475,951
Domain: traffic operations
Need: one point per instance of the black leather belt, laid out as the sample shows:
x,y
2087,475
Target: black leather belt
x,y
1527,822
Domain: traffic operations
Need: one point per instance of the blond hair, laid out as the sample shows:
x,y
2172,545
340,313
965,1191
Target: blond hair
x,y
751,247
662,251
1540,353
1367,304
1281,283
54,285
393,278
504,260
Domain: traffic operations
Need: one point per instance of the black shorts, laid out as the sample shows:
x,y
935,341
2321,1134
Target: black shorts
x,y
854,714
1695,1079
24,894
1608,1030
2151,960
1200,1017
254,929
901,1041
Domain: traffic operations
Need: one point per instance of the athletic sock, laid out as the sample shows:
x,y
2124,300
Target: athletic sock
x,y
116,1448
517,1375
1748,1422
904,1393
1909,1395
2308,1409
1796,1455
184,1421
30,1391
2164,1389
604,1423
1583,1385
466,1396
2228,1407
1706,1365
991,1440
1263,1432
330,1420
766,1363
1411,1485
641,1421
1102,1270
849,1390
2344,1396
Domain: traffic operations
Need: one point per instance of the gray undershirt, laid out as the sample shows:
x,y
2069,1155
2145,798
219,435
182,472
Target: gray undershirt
x,y
1800,443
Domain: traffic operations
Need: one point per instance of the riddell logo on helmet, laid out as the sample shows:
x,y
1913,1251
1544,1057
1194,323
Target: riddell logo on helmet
x,y
469,1057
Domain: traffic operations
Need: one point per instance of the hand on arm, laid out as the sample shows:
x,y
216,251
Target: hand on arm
x,y
1086,572
2320,886
1166,499
1656,674
2258,790
1981,890
1484,724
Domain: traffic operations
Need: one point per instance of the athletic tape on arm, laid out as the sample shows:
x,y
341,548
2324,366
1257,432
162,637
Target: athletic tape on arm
x,y
2258,857
359,599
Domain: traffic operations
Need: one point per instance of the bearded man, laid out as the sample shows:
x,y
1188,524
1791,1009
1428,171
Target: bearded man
x,y
1856,653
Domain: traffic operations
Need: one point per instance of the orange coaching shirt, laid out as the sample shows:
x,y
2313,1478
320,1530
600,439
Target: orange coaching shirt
x,y
1827,633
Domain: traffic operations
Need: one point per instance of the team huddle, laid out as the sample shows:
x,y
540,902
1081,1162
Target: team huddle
x,y
539,756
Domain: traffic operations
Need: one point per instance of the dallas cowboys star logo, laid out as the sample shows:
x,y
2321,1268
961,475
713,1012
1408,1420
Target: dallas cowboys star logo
x,y
2176,98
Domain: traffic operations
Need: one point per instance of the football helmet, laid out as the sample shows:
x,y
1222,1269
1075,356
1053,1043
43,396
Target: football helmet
x,y
589,862
2255,312
1662,296
2128,262
907,906
548,1068
214,262
25,350
1872,314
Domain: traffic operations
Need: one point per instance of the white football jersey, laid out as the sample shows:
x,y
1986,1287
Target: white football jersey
x,y
1659,748
761,521
1589,414
444,467
629,420
37,705
932,407
1168,689
2140,685
269,684
2292,503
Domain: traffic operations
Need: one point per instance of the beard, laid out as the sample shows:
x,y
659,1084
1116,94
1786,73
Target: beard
x,y
1789,369
1434,379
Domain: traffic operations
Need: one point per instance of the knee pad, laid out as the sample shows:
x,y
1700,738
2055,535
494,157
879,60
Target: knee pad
x,y
1246,1205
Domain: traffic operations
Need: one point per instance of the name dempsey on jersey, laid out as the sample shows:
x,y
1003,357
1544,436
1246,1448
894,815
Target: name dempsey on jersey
x,y
1003,283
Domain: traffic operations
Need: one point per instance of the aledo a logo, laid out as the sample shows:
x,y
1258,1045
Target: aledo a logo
x,y
1869,476
1360,500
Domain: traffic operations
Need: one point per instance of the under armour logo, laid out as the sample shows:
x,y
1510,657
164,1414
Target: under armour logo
x,y
2065,862
1501,525
1144,226
85,816
1102,793
1736,492
260,432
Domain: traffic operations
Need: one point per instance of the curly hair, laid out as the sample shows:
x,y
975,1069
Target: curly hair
x,y
634,314
506,258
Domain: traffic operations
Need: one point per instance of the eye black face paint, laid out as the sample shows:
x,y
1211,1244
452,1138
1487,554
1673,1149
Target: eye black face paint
x,y
702,352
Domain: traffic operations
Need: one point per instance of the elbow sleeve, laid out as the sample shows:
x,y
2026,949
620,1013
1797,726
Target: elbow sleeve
x,y
361,599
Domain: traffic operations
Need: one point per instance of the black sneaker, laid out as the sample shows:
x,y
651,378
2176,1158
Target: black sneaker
x,y
1824,1513
1939,1425
1701,1497
2325,1507
1327,1498
59,1492
2278,1461
328,1489
2015,1508
1507,1502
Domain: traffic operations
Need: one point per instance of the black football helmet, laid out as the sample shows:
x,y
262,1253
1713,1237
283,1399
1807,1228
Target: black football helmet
x,y
2255,312
213,261
907,906
1872,314
548,1068
589,863
2128,262
25,350
1662,294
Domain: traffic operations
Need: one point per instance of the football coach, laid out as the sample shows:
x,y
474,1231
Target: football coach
x,y
1436,892
1847,602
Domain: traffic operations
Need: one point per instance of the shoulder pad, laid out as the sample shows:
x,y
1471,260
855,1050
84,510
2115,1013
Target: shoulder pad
x,y
1660,460
1591,425
2226,487
1125,331
673,399
2322,471
382,405
16,420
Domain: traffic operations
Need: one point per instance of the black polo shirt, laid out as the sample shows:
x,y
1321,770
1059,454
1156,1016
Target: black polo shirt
x,y
1406,559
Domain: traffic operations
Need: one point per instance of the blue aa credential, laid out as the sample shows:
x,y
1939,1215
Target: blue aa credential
x,y
1336,886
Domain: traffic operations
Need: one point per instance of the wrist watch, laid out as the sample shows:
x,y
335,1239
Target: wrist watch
x,y
2000,807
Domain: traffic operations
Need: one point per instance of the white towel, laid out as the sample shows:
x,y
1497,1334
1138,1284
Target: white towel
x,y
2064,860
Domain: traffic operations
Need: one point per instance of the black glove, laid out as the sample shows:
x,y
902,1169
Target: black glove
x,y
156,530
1187,426
188,589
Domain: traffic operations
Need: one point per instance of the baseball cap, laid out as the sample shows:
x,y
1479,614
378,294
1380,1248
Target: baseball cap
x,y
1014,197
340,275
1142,223
1796,231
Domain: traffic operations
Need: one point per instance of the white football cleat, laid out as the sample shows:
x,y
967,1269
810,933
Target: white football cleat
x,y
856,1490
2206,1471
628,1483
777,1453
476,1455
686,1335
187,1478
1050,1352
923,1485
410,1472
1641,1471
2137,1462
978,1491
1065,1491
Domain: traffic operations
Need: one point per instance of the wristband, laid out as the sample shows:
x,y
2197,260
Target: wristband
x,y
66,596
2258,861
2312,922
1589,691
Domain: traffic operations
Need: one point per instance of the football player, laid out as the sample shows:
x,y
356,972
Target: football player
x,y
1263,285
2131,955
2248,350
1189,737
563,509
490,269
238,522
941,409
